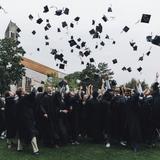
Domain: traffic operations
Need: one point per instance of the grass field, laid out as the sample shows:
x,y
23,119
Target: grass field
x,y
80,152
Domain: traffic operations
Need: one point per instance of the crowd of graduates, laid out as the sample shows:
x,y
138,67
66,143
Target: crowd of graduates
x,y
54,118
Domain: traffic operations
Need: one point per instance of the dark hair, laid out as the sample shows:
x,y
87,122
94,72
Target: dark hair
x,y
40,89
7,94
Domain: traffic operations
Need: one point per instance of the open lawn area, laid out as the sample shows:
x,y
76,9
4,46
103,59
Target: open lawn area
x,y
80,152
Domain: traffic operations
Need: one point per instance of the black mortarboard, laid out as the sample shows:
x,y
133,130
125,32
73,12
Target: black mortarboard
x,y
58,30
148,53
66,11
49,25
81,54
99,28
107,36
78,47
93,22
72,43
71,37
132,44
102,43
87,53
61,66
58,12
71,25
79,39
83,44
92,31
141,58
39,21
65,62
114,42
96,46
77,19
47,43
38,49
47,20
18,30
105,18
34,32
126,29
139,69
18,42
46,28
145,18
156,40
46,9
72,50
109,9
96,35
129,69
82,62
135,48
54,51
114,61
91,60
149,38
59,57
46,37
30,17
64,24
124,68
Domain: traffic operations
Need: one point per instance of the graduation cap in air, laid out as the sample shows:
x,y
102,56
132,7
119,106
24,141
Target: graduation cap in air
x,y
61,66
58,30
64,24
107,36
47,43
139,69
126,29
38,49
46,9
66,11
104,18
109,9
18,42
92,31
102,43
87,53
99,28
18,30
72,50
47,20
72,37
72,42
58,12
93,22
39,21
114,42
59,57
54,51
82,62
141,58
91,60
46,28
83,44
30,17
78,47
124,69
49,25
145,18
81,54
148,53
46,37
96,46
114,61
33,32
96,35
129,69
132,43
149,38
71,25
135,48
156,40
79,39
77,19
65,62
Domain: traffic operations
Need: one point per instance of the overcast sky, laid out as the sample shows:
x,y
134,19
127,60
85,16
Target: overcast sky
x,y
126,13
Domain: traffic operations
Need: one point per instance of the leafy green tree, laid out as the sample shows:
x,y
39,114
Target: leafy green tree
x,y
11,69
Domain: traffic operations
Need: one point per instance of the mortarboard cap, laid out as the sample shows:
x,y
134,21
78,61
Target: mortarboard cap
x,y
135,48
139,69
93,22
114,42
72,50
126,29
124,68
114,61
141,58
61,66
46,28
132,44
54,51
47,20
149,38
87,53
148,53
58,12
78,47
145,18
30,17
58,30
38,49
77,19
107,36
129,69
72,43
92,31
47,43
91,60
109,9
99,28
18,42
71,25
71,37
33,32
46,9
82,62
49,25
79,39
65,62
81,54
64,24
18,30
46,37
104,18
66,11
96,35
102,43
156,40
39,21
83,44
96,46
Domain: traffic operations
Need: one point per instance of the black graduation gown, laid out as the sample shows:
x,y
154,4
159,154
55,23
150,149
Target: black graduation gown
x,y
10,114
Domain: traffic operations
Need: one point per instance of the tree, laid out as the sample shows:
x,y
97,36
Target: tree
x,y
11,69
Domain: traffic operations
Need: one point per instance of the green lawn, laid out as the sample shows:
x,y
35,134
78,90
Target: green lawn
x,y
80,152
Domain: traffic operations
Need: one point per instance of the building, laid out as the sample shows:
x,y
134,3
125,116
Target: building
x,y
36,73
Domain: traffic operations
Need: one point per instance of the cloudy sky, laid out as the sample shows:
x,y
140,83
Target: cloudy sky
x,y
126,13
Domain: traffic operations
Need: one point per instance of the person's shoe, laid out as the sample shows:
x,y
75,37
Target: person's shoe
x,y
36,153
123,143
108,145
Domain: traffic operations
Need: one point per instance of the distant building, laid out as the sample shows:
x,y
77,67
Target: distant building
x,y
36,73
